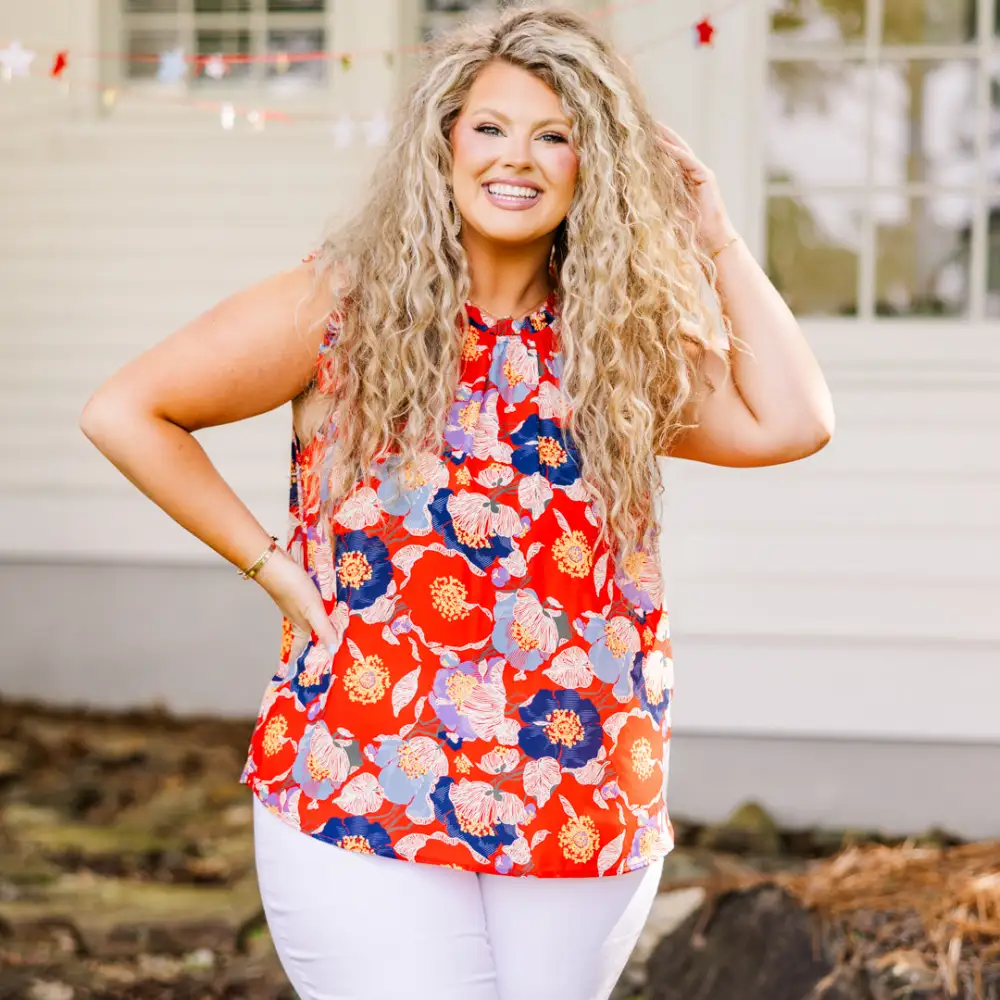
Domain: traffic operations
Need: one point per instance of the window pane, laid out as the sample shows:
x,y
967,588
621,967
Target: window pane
x,y
144,48
929,22
441,15
813,243
151,6
456,5
295,74
922,254
817,122
993,258
993,147
925,122
281,6
227,43
817,21
221,6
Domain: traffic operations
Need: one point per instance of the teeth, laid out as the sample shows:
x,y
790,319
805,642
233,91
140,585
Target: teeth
x,y
511,191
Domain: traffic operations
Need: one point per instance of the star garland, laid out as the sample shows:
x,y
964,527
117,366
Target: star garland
x,y
173,66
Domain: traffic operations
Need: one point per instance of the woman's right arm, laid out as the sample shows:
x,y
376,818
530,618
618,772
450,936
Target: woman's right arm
x,y
249,354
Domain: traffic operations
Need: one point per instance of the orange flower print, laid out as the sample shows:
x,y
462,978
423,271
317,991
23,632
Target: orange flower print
x,y
637,757
276,739
438,585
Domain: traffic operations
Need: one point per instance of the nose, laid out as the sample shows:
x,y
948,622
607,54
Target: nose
x,y
517,151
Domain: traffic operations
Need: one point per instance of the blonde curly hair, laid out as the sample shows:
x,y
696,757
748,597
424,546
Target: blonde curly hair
x,y
631,278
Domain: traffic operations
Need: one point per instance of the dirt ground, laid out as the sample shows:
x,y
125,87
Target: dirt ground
x,y
126,863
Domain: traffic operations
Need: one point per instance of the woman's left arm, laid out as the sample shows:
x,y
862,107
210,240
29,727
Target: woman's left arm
x,y
776,406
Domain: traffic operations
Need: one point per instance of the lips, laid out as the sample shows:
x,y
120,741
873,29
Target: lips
x,y
512,195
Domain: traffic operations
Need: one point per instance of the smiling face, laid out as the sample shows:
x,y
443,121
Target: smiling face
x,y
515,168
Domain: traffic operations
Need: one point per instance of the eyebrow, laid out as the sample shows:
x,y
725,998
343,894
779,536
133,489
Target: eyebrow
x,y
506,120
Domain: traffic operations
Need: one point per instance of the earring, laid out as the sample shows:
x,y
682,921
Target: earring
x,y
553,273
456,219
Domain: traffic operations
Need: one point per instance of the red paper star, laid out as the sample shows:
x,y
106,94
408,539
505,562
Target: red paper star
x,y
704,30
61,62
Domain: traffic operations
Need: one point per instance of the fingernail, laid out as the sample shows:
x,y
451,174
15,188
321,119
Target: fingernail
x,y
330,646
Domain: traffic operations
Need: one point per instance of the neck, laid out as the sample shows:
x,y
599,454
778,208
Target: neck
x,y
507,280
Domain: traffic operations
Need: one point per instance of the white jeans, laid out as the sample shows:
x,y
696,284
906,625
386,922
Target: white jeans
x,y
349,926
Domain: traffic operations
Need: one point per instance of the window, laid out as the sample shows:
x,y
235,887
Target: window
x,y
883,156
281,41
440,15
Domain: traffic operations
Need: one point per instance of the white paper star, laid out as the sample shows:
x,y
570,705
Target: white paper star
x,y
343,131
16,60
215,67
377,129
173,66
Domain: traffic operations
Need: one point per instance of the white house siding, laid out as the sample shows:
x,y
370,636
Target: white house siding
x,y
836,636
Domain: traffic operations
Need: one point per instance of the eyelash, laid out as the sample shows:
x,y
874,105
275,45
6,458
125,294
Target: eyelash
x,y
553,135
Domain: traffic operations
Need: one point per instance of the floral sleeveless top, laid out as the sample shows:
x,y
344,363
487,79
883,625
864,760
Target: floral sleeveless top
x,y
498,698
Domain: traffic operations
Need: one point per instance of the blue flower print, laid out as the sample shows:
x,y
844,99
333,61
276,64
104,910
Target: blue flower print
x,y
312,673
462,420
355,833
527,643
452,685
364,569
482,554
651,840
612,652
563,725
544,447
293,486
483,840
322,765
410,769
503,863
514,370
403,498
634,581
654,697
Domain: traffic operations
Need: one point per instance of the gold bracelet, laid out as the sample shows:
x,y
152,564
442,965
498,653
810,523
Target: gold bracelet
x,y
728,243
251,572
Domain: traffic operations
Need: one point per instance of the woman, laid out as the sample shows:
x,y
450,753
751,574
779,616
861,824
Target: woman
x,y
475,676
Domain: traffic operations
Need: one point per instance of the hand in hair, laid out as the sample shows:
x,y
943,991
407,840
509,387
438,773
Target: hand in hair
x,y
714,225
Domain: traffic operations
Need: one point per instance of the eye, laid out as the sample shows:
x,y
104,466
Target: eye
x,y
554,137
485,129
